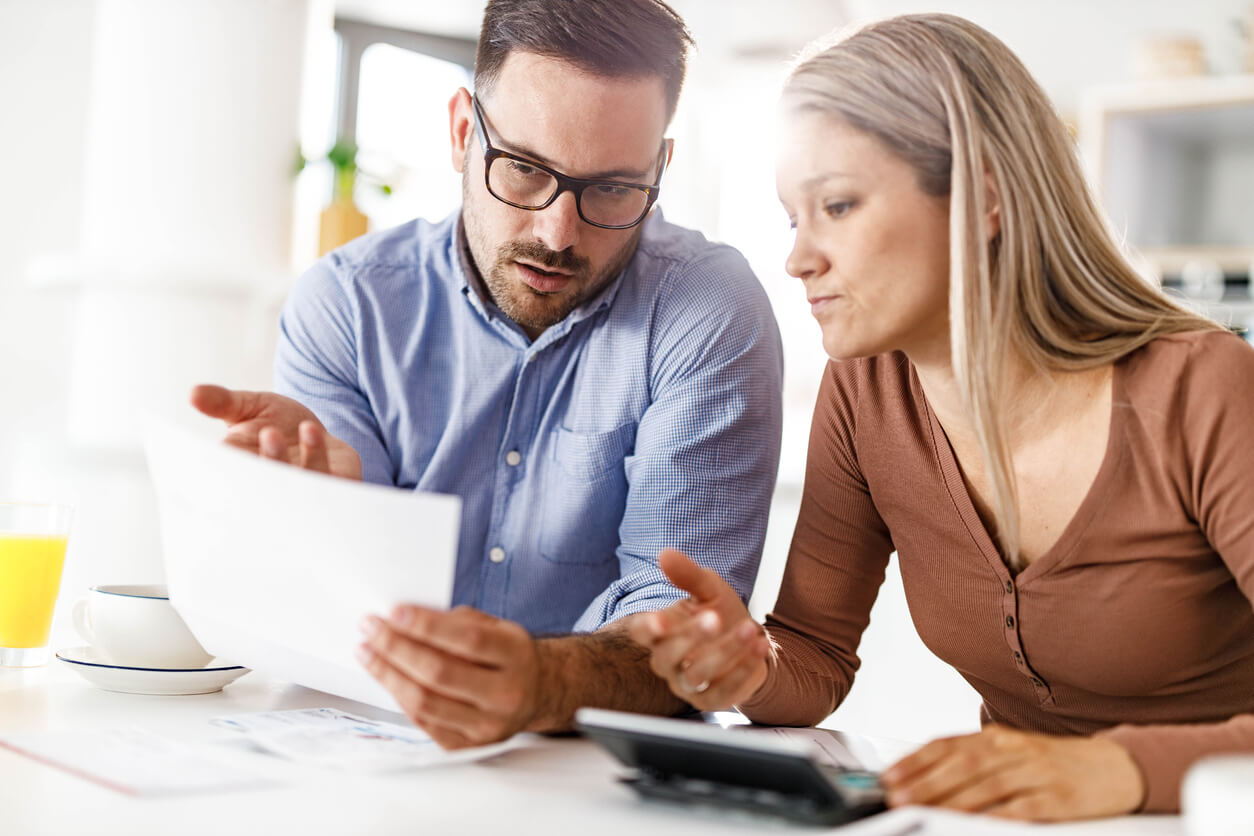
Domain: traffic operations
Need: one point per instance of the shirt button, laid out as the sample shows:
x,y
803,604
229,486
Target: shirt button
x,y
497,555
512,458
1037,682
1010,586
1010,621
1018,658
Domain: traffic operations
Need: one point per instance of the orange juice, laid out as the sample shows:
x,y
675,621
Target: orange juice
x,y
30,575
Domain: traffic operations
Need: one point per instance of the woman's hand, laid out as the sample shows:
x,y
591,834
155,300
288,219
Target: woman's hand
x,y
706,647
1019,775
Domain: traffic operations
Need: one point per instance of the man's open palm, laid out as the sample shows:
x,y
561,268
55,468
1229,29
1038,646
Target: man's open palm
x,y
277,427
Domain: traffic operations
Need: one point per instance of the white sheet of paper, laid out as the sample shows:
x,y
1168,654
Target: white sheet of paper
x,y
829,748
328,737
132,761
273,567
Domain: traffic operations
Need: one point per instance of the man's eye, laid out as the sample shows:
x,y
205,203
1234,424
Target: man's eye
x,y
522,169
608,190
838,208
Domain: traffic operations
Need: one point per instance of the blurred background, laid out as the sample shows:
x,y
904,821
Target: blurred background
x,y
153,218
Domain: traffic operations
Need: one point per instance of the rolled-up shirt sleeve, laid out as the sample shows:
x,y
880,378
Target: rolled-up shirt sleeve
x,y
706,452
316,363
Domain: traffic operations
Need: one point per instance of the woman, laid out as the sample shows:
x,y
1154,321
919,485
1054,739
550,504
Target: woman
x,y
1054,449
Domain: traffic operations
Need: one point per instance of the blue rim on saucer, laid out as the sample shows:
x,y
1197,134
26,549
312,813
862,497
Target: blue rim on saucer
x,y
115,590
155,670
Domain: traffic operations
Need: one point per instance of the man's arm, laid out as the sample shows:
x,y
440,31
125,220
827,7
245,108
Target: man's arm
x,y
702,472
605,669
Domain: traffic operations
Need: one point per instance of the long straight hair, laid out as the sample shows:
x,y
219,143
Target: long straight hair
x,y
1052,285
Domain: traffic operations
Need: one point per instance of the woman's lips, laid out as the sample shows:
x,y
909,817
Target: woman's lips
x,y
818,303
538,279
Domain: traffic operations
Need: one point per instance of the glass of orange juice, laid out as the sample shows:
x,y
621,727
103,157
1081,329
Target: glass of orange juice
x,y
32,551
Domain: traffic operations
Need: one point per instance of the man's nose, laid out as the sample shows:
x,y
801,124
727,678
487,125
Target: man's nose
x,y
556,226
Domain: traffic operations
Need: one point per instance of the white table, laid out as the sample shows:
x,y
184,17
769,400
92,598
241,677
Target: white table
x,y
545,786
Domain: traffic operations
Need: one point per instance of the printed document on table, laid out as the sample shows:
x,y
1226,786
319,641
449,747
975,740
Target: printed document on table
x,y
133,761
328,737
273,567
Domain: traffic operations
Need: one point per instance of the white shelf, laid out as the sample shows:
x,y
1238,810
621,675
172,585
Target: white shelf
x,y
1177,94
1173,163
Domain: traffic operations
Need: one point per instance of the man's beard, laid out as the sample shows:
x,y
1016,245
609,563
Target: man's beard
x,y
533,310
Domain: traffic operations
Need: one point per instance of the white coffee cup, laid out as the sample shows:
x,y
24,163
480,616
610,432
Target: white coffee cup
x,y
136,626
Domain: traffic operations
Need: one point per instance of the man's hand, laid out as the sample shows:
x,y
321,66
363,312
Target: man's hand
x,y
709,650
277,428
463,676
1020,775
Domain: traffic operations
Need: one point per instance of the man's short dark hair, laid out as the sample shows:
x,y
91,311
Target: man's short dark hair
x,y
611,38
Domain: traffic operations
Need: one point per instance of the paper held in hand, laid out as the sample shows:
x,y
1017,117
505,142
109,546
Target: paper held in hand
x,y
274,567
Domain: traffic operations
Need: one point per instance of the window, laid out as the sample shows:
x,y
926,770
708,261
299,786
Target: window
x,y
403,137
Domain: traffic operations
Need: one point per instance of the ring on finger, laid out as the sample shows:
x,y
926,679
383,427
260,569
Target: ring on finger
x,y
699,688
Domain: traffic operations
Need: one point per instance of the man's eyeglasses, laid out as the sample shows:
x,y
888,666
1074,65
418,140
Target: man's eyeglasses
x,y
527,184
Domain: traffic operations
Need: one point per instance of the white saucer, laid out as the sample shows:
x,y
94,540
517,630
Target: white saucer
x,y
93,667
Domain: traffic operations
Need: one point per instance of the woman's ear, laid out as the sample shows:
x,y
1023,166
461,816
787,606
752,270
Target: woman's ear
x,y
992,207
460,125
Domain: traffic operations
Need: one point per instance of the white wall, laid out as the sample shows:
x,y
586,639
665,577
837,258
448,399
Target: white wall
x,y
43,109
1071,44
44,53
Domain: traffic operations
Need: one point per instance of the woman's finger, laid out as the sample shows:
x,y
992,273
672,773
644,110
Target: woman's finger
x,y
715,657
996,788
705,586
684,646
739,681
963,762
1040,805
648,628
920,760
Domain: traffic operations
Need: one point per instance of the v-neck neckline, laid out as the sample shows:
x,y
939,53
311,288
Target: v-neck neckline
x,y
1095,499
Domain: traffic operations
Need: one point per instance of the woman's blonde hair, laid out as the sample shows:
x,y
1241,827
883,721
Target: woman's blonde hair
x,y
955,103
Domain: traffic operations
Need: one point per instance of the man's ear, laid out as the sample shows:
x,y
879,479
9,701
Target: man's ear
x,y
670,152
461,127
992,207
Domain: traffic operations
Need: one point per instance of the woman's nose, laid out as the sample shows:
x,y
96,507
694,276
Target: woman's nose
x,y
806,260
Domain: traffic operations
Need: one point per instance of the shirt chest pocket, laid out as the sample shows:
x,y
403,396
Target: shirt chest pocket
x,y
585,492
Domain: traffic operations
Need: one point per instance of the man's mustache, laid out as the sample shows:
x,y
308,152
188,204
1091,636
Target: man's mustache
x,y
566,260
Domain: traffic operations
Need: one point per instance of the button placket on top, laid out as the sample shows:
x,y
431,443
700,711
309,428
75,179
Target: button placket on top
x,y
1010,612
509,472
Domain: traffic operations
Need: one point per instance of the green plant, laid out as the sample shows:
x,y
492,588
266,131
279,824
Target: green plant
x,y
342,157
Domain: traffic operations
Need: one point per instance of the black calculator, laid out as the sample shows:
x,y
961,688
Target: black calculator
x,y
692,762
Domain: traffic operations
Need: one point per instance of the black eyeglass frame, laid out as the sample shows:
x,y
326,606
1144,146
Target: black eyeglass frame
x,y
565,183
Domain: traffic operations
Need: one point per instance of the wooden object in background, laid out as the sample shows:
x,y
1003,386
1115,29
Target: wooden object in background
x,y
340,223
1169,57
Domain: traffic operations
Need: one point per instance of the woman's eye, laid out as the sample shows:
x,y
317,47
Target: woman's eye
x,y
838,208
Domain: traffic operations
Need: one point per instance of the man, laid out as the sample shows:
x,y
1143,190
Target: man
x,y
596,384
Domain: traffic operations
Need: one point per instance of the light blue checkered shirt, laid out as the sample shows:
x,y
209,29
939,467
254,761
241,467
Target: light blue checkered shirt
x,y
649,417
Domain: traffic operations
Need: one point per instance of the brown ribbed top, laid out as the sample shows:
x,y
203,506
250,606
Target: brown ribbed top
x,y
1136,624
